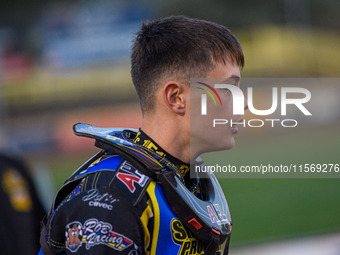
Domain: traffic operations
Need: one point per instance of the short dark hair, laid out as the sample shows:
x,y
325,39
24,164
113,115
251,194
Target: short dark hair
x,y
181,48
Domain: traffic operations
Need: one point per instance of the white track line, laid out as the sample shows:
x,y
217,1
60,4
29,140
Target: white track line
x,y
319,245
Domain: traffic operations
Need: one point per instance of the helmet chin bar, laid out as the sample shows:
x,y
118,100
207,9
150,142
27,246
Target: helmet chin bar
x,y
209,219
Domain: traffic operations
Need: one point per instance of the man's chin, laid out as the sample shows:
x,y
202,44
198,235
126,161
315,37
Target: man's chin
x,y
226,145
230,145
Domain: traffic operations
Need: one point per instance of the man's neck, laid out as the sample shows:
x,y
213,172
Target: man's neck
x,y
167,135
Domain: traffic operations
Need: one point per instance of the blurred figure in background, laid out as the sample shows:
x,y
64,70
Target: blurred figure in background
x,y
21,210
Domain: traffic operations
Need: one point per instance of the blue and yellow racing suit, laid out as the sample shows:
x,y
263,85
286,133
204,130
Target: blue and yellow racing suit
x,y
112,207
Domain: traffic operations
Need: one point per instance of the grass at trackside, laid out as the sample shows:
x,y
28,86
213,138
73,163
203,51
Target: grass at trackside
x,y
62,168
265,209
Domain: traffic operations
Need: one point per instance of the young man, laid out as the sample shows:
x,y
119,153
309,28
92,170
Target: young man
x,y
136,196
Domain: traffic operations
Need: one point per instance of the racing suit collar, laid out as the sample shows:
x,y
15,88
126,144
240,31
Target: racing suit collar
x,y
144,140
191,183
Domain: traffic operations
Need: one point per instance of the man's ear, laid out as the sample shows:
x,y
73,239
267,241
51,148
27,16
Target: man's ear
x,y
174,97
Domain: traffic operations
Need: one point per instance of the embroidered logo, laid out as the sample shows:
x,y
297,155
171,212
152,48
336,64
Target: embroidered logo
x,y
73,234
101,200
189,244
94,232
130,176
